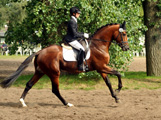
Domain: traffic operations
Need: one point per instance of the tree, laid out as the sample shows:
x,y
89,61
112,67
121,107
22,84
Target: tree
x,y
152,17
11,12
46,23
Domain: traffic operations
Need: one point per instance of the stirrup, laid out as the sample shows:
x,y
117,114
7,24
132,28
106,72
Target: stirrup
x,y
81,68
86,68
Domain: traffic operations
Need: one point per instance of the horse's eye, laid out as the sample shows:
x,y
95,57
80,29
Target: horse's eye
x,y
124,34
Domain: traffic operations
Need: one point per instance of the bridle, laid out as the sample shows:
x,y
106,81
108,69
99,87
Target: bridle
x,y
122,44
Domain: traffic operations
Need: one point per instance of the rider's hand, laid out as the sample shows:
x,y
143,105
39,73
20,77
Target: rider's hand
x,y
86,35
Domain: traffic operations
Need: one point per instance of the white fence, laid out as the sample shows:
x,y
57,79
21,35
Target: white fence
x,y
28,51
22,51
143,52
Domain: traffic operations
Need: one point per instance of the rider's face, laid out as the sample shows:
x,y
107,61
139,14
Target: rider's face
x,y
77,15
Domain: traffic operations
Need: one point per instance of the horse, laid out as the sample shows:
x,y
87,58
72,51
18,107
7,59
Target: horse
x,y
50,61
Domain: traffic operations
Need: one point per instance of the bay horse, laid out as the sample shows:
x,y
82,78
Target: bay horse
x,y
50,61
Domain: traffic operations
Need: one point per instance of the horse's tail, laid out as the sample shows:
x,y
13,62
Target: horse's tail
x,y
7,82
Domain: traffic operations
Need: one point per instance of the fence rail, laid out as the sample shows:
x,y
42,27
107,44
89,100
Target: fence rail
x,y
22,51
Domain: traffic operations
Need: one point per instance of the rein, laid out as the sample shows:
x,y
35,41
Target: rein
x,y
106,41
120,33
99,40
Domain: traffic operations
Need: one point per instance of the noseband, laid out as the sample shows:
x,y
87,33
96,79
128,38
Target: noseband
x,y
122,44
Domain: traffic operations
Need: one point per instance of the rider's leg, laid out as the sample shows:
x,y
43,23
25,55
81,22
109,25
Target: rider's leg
x,y
80,60
81,54
76,45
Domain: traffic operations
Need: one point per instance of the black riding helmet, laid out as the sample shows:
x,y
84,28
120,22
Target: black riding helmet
x,y
74,10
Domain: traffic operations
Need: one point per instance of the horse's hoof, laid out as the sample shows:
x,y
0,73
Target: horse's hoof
x,y
24,106
23,102
117,91
70,105
118,101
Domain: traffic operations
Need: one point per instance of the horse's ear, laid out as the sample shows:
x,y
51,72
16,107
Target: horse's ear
x,y
123,25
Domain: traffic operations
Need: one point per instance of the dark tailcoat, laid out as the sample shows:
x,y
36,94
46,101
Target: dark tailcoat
x,y
72,31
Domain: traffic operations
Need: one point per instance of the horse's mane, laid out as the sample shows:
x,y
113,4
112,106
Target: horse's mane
x,y
103,27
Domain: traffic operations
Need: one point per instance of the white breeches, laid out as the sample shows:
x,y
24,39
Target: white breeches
x,y
76,45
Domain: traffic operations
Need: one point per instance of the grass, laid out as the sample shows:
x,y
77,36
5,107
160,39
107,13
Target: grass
x,y
13,57
137,80
65,82
132,80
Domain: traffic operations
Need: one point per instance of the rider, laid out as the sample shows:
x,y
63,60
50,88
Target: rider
x,y
72,36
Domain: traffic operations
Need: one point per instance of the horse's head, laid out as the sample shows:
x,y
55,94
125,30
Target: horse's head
x,y
121,37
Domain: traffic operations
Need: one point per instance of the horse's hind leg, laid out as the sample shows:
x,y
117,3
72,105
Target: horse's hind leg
x,y
29,85
55,90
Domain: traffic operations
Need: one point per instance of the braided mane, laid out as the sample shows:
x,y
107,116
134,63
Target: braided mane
x,y
103,27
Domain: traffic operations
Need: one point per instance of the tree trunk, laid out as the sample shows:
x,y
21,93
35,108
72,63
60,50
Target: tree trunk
x,y
152,38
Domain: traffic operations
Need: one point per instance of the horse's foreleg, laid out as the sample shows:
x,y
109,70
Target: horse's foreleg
x,y
55,90
114,72
29,85
108,70
108,83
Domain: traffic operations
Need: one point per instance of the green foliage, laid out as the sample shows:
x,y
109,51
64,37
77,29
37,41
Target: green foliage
x,y
11,12
158,14
156,22
46,23
132,80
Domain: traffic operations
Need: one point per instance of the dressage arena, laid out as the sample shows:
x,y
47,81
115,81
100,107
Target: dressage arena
x,y
89,105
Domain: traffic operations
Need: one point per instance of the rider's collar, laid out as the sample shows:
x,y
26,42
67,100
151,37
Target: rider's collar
x,y
74,18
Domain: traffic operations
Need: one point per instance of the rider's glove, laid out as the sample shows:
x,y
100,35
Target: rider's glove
x,y
86,35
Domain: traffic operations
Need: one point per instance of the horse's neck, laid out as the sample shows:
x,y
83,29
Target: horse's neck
x,y
103,38
101,43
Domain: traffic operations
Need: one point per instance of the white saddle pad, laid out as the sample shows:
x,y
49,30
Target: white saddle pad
x,y
70,55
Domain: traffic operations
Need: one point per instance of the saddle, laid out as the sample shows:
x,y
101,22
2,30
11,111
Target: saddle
x,y
70,54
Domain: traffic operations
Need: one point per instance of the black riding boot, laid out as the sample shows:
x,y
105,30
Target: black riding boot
x,y
80,60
